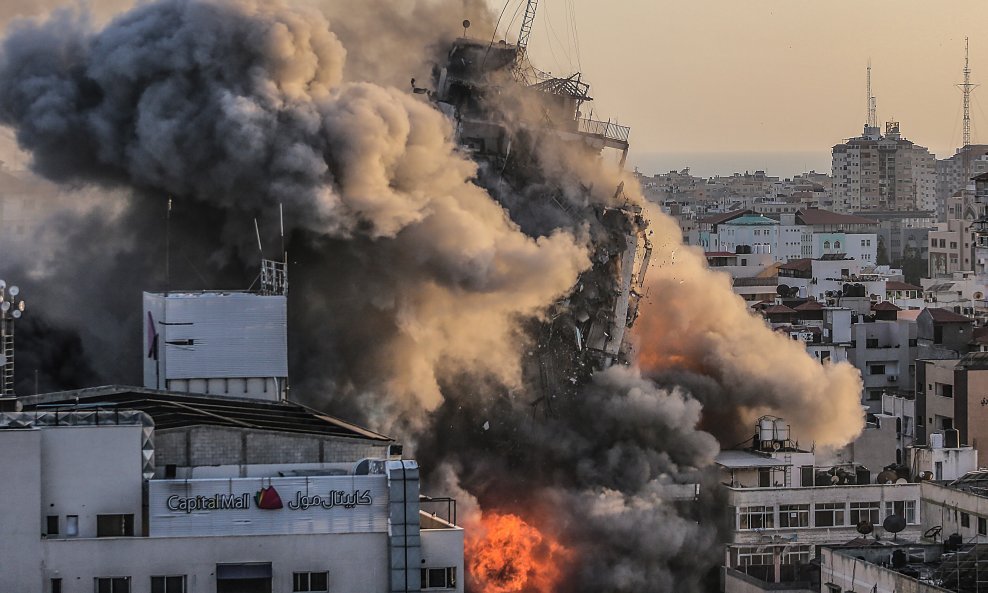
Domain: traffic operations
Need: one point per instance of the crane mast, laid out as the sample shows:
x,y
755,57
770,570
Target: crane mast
x,y
526,25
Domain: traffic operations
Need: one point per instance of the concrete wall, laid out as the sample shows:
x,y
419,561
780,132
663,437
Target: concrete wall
x,y
195,446
356,562
20,490
944,506
853,574
442,548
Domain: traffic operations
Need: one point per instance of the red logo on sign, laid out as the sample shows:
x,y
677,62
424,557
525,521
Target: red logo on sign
x,y
268,498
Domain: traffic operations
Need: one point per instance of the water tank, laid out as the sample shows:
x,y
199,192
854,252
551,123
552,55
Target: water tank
x,y
898,559
781,430
862,475
951,438
766,429
936,440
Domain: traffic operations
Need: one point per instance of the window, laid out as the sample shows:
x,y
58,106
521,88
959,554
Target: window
x,y
826,244
758,517
439,578
903,508
965,520
168,584
800,554
52,528
72,525
56,586
836,244
830,514
865,511
982,526
310,581
794,515
876,369
112,584
871,343
754,556
875,394
114,525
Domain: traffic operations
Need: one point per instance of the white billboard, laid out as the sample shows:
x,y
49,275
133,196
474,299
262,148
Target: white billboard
x,y
267,506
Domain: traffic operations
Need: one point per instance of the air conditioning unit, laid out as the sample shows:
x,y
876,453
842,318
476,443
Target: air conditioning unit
x,y
892,378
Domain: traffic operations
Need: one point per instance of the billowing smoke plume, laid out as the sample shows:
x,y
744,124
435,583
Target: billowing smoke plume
x,y
698,333
240,106
431,294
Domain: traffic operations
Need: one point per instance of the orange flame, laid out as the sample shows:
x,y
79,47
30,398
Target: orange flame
x,y
512,556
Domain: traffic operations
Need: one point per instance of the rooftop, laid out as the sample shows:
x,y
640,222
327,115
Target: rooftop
x,y
171,409
945,316
885,306
738,459
896,285
812,216
753,220
975,361
723,217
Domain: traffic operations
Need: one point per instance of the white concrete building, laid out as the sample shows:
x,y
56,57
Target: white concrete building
x,y
137,491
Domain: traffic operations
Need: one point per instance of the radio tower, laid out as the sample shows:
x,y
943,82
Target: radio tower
x,y
872,104
966,87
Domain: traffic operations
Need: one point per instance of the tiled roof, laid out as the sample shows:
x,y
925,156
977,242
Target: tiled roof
x,y
778,310
945,316
800,265
723,217
896,285
885,306
810,306
817,216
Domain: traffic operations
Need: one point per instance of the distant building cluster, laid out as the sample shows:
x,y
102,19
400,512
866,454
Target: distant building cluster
x,y
882,264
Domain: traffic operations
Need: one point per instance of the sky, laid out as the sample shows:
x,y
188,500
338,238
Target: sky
x,y
767,82
725,85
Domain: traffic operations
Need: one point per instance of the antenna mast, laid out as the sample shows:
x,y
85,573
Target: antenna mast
x,y
966,88
872,104
526,26
11,308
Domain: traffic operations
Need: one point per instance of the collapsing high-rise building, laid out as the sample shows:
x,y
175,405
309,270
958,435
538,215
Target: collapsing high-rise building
x,y
506,112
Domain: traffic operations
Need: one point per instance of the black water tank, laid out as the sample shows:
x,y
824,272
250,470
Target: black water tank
x,y
863,475
951,438
898,559
953,543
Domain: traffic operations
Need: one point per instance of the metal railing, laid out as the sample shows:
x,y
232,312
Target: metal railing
x,y
606,129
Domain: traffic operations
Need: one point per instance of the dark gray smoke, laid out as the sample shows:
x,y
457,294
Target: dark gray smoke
x,y
414,291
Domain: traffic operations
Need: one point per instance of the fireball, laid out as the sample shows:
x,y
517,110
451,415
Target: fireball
x,y
509,555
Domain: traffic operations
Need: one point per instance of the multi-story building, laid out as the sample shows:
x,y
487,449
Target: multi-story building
x,y
876,172
955,173
208,478
952,394
782,504
884,350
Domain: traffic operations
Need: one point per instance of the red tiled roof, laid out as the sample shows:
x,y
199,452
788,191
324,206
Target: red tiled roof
x,y
945,316
800,265
810,306
885,306
980,334
896,285
778,310
817,216
724,217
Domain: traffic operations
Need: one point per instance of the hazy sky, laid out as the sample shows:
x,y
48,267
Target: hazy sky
x,y
701,81
726,76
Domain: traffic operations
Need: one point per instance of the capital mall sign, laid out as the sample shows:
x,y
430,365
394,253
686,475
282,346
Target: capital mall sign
x,y
269,499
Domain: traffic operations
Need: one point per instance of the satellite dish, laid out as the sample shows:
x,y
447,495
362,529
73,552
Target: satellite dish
x,y
466,23
887,477
783,290
3,284
3,360
776,446
865,527
5,306
894,524
14,291
902,481
16,314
